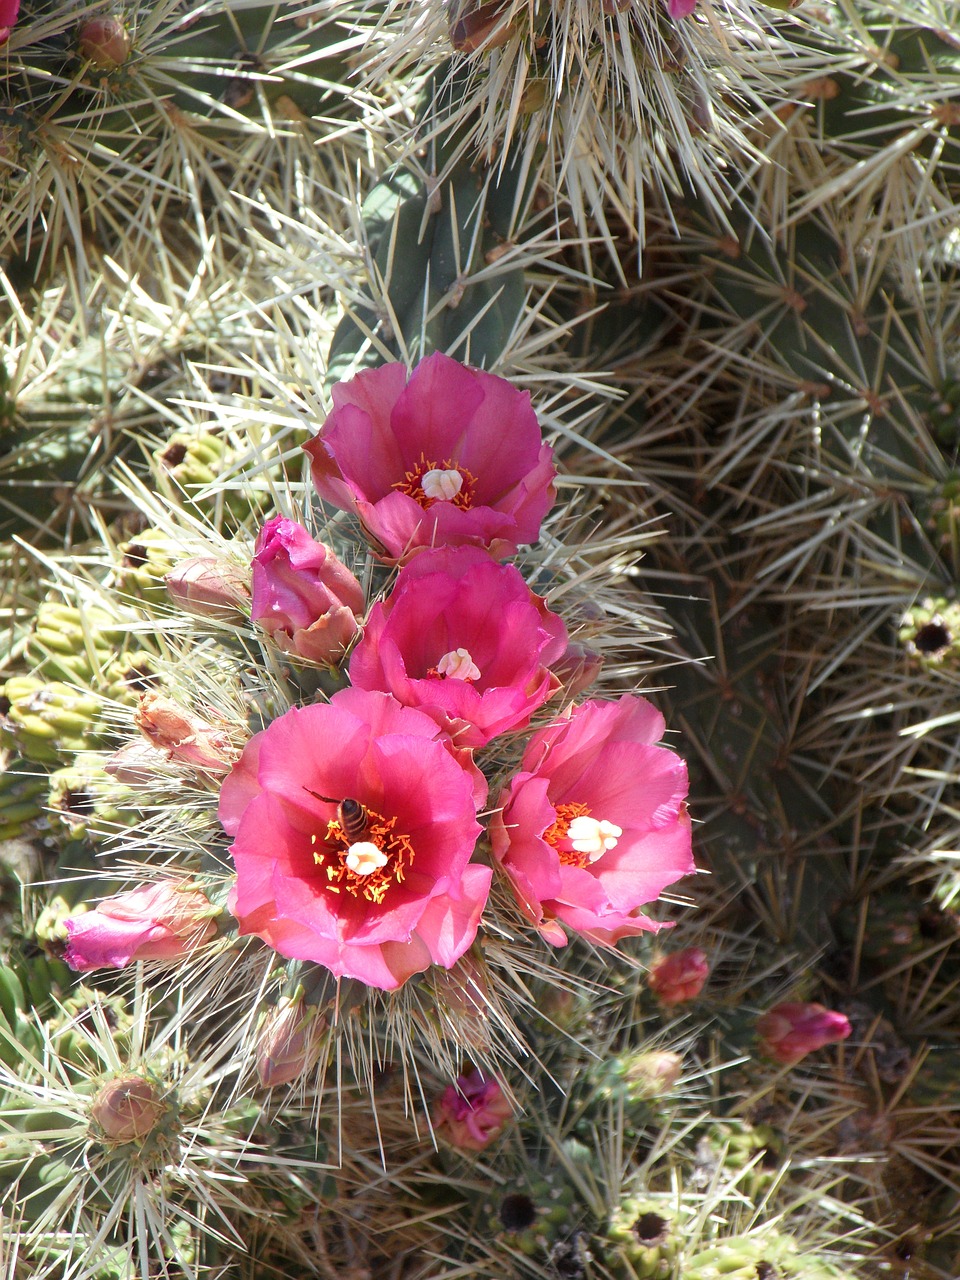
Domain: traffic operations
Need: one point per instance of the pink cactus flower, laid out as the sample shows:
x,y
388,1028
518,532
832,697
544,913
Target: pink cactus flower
x,y
453,456
375,889
471,1113
680,976
680,8
464,639
9,11
789,1031
303,596
162,921
594,827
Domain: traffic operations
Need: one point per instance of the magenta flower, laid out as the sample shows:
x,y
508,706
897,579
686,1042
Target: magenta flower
x,y
9,11
303,596
471,1113
595,825
453,456
162,921
378,888
680,8
464,639
680,976
789,1031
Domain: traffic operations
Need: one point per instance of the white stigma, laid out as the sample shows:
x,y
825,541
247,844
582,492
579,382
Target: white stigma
x,y
459,664
364,857
441,485
593,838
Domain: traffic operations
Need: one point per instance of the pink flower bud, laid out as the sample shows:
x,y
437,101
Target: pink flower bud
x,y
127,1109
290,1042
209,587
577,668
680,8
182,735
305,598
471,1113
680,976
161,921
104,42
789,1031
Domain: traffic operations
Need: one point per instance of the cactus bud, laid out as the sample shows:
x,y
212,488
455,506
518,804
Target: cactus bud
x,y
474,26
209,588
162,921
127,1109
472,1112
185,737
679,977
290,1042
104,42
789,1031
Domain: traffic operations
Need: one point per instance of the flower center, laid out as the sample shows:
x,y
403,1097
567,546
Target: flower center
x,y
578,838
457,664
429,482
364,868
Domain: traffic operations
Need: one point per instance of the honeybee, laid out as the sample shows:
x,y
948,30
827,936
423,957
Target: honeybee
x,y
351,815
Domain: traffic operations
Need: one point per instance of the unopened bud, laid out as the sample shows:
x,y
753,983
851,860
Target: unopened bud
x,y
104,42
127,1109
474,26
289,1043
650,1075
136,764
209,587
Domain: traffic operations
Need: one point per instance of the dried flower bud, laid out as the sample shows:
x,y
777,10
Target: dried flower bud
x,y
679,977
471,1113
789,1031
474,26
577,667
104,42
182,735
209,587
136,764
290,1042
127,1109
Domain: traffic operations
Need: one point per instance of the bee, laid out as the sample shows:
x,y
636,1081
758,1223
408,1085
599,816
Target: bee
x,y
351,815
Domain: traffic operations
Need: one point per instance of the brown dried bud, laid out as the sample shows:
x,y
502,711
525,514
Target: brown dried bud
x,y
127,1109
290,1042
474,26
104,42
185,737
209,587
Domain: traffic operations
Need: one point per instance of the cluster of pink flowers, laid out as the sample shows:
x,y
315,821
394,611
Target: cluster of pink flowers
x,y
356,838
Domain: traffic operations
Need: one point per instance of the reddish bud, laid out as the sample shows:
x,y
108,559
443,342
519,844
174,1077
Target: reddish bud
x,y
127,1109
789,1031
104,42
679,977
476,26
289,1043
209,587
161,921
471,1113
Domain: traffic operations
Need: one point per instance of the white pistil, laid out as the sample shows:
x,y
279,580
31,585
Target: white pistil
x,y
441,485
593,838
459,664
364,857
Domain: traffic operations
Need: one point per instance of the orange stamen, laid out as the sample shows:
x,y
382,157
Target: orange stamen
x,y
412,483
375,885
556,835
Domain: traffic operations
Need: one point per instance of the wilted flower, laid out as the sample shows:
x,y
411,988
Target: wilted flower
x,y
453,456
680,976
161,921
789,1031
184,736
208,587
303,596
127,1109
289,1042
9,9
471,1113
464,639
380,905
595,826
